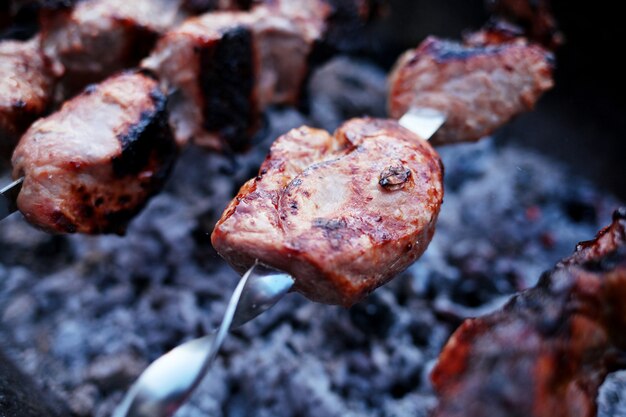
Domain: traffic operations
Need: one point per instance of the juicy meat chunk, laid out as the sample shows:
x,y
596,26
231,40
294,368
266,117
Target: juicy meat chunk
x,y
478,87
209,65
546,353
97,38
25,89
343,214
91,166
224,68
534,15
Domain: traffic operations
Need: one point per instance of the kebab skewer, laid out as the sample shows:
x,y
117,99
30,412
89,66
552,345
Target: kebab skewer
x,y
341,214
73,40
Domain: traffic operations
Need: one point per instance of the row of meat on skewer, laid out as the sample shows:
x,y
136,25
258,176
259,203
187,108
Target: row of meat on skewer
x,y
343,213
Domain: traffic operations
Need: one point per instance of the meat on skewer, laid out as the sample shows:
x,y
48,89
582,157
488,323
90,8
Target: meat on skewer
x,y
96,38
91,166
342,214
546,353
25,89
225,68
479,86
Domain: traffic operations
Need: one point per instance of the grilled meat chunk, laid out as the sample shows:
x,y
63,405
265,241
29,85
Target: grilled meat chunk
x,y
343,214
91,166
209,63
535,16
97,38
25,89
546,353
225,68
478,87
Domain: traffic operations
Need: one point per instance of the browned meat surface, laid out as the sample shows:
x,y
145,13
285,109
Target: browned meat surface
x,y
91,166
343,214
97,38
546,353
224,68
534,15
25,89
478,87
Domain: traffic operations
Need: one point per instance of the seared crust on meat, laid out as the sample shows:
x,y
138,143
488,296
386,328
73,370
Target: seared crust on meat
x,y
93,165
97,38
546,353
208,64
343,214
25,89
478,87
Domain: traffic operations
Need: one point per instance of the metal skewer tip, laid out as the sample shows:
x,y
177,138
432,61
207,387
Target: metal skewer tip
x,y
169,381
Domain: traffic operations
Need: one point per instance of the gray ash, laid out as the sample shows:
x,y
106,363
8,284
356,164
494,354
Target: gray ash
x,y
84,315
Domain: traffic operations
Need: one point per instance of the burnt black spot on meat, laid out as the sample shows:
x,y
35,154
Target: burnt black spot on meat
x,y
148,139
394,177
227,82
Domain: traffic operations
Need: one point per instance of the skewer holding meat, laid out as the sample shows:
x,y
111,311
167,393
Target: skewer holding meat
x,y
546,353
479,85
92,165
343,213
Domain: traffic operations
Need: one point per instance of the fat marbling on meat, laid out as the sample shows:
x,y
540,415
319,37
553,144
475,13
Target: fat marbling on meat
x,y
342,213
92,165
478,86
25,88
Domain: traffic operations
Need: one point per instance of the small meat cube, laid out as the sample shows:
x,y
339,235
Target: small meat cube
x,y
478,87
93,165
225,68
546,353
343,214
97,38
25,89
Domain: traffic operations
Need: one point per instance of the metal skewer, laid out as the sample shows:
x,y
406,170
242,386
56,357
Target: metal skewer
x,y
169,381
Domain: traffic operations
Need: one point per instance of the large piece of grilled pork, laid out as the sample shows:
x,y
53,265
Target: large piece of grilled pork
x,y
91,166
25,89
224,68
343,214
546,353
479,85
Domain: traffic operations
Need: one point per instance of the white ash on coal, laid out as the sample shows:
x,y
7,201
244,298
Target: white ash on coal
x,y
84,315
